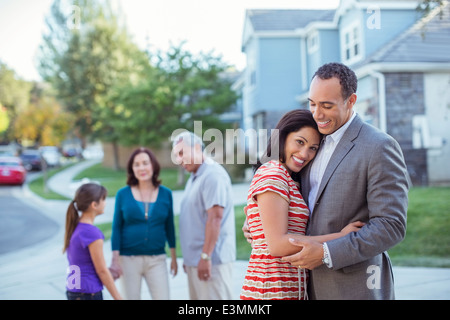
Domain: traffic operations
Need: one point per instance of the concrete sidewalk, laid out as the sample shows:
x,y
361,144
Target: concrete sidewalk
x,y
38,272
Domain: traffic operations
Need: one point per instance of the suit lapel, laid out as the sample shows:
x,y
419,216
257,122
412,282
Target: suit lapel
x,y
304,183
342,149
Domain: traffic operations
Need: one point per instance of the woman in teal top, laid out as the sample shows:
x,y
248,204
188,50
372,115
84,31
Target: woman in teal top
x,y
143,223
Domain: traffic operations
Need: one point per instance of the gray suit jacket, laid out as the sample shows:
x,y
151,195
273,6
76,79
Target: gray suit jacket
x,y
366,180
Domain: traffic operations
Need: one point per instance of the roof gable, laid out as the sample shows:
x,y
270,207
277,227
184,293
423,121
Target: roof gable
x,y
286,20
428,40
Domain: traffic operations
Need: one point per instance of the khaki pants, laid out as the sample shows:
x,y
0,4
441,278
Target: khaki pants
x,y
152,268
218,287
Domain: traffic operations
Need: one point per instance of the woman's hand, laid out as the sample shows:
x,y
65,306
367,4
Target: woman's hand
x,y
352,227
115,268
174,267
246,231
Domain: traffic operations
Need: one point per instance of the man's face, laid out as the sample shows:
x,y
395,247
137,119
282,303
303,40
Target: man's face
x,y
190,158
327,105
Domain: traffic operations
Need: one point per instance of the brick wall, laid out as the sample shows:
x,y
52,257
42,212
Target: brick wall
x,y
405,99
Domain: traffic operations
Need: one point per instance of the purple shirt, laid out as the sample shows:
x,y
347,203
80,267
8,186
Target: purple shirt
x,y
81,272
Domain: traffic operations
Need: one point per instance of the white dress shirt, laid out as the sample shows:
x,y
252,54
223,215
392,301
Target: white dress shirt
x,y
320,163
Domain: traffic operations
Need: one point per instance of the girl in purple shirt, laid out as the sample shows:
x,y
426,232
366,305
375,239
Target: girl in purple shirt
x,y
87,271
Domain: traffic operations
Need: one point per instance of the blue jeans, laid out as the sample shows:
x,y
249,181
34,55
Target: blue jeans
x,y
84,296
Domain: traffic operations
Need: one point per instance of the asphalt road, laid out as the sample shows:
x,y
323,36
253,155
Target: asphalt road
x,y
21,224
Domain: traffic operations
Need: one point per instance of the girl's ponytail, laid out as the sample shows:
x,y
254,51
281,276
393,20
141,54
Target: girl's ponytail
x,y
84,196
72,219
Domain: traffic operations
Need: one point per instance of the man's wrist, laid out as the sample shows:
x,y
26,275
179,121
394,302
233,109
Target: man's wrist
x,y
326,256
205,256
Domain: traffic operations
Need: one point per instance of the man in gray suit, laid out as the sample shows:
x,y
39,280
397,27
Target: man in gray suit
x,y
358,174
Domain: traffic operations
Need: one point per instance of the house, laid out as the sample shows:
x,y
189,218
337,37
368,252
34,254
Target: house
x,y
401,58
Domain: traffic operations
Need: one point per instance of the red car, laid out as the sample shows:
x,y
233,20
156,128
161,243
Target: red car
x,y
12,171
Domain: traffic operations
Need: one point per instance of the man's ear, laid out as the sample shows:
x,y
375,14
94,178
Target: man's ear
x,y
352,99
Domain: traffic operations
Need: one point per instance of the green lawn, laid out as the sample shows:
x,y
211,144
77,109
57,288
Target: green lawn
x,y
427,241
113,180
38,185
427,237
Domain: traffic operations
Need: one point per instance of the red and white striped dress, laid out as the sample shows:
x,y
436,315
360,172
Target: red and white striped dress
x,y
269,277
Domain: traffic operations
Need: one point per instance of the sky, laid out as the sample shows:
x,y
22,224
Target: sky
x,y
205,25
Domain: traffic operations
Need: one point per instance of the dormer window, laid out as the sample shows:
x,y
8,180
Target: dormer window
x,y
351,44
313,42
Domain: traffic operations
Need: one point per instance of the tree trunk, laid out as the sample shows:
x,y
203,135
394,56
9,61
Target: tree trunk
x,y
181,176
116,155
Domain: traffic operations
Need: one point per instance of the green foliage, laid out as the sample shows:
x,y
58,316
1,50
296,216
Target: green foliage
x,y
43,121
180,89
14,97
86,62
4,119
426,5
119,93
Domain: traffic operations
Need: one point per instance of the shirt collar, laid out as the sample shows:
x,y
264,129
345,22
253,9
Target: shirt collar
x,y
337,135
202,167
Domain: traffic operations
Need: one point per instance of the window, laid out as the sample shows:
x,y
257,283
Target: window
x,y
313,42
259,124
351,44
253,78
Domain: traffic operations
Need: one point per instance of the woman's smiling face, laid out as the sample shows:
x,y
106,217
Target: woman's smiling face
x,y
300,148
142,167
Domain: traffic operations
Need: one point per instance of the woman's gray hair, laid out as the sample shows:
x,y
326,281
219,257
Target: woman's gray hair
x,y
189,138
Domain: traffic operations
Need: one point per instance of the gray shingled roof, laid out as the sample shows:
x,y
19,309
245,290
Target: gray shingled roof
x,y
427,41
286,20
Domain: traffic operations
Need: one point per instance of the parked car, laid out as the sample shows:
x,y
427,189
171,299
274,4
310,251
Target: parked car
x,y
93,152
12,171
51,155
31,159
71,153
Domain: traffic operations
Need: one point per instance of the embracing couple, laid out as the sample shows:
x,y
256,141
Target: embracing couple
x,y
326,238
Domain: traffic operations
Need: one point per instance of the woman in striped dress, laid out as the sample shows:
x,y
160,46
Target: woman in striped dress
x,y
276,212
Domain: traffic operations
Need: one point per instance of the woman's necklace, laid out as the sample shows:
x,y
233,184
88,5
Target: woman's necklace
x,y
145,203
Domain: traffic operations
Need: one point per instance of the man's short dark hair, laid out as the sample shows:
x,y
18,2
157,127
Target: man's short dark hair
x,y
347,78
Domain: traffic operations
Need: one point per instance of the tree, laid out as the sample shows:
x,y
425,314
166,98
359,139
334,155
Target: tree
x,y
85,62
426,5
4,119
43,121
14,97
182,88
110,86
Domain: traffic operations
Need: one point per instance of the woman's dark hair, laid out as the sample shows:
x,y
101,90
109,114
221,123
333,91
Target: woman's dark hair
x,y
131,179
347,78
84,196
292,121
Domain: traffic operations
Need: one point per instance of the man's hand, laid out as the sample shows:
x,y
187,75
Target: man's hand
x,y
310,255
204,269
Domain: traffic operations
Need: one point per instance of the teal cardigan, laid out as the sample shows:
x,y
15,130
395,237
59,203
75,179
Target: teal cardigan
x,y
132,234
